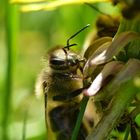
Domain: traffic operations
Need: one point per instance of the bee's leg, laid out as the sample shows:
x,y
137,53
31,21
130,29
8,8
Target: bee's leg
x,y
45,90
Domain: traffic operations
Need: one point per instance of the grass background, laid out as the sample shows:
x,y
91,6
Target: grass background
x,y
24,39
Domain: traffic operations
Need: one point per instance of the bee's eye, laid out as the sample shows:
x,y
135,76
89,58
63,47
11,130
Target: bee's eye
x,y
57,61
61,61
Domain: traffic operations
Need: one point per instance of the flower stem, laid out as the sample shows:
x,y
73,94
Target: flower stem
x,y
11,18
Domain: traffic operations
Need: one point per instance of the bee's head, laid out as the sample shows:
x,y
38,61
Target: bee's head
x,y
64,60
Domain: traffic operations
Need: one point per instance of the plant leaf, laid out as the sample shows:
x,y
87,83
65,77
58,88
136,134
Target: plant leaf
x,y
123,97
111,68
134,135
120,42
117,44
95,45
107,50
124,90
129,71
97,57
131,68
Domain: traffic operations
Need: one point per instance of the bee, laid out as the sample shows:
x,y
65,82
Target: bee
x,y
106,24
130,9
62,83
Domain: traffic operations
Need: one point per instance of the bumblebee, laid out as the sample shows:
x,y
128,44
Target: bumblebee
x,y
62,82
130,8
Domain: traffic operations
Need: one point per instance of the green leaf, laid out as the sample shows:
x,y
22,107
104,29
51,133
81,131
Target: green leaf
x,y
127,132
134,135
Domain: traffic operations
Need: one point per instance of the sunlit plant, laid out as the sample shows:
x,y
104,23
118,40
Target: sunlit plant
x,y
110,74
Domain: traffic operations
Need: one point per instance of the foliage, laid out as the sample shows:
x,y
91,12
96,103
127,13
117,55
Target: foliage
x,y
28,34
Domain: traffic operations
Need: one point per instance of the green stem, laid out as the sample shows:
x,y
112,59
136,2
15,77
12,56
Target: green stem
x,y
129,25
11,18
133,49
80,117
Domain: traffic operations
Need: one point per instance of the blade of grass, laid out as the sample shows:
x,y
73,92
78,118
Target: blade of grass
x,y
127,132
11,29
80,117
24,125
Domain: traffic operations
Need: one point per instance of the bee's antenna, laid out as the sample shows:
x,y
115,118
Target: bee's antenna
x,y
68,45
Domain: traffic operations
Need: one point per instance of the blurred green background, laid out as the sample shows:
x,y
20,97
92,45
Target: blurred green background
x,y
38,31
